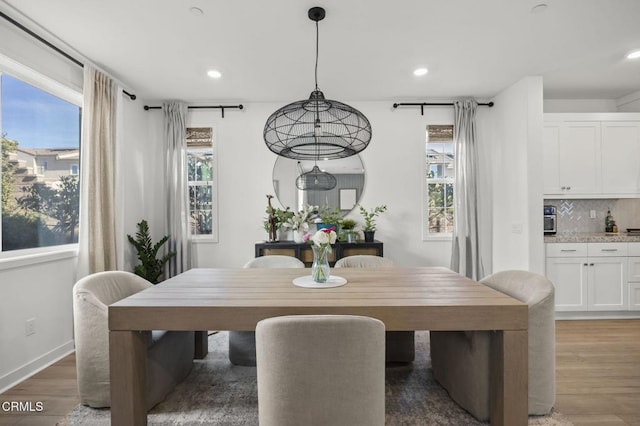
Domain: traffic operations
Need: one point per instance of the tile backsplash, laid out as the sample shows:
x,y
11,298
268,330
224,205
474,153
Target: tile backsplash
x,y
574,215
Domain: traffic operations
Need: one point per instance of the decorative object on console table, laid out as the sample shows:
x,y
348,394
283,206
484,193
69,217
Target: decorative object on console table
x,y
299,222
370,220
304,252
321,247
347,230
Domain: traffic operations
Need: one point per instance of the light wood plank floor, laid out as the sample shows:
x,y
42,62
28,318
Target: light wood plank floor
x,y
598,378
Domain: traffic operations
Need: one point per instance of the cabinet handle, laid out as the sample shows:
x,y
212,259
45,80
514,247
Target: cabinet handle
x,y
563,187
585,264
567,250
568,187
609,250
591,264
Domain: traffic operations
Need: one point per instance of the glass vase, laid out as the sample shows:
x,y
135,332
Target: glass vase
x,y
320,267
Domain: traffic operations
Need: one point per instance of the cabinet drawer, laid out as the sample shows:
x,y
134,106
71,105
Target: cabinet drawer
x,y
566,249
607,249
634,249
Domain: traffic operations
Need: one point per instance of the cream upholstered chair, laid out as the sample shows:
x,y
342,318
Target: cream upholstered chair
x,y
400,345
318,370
242,344
460,360
170,353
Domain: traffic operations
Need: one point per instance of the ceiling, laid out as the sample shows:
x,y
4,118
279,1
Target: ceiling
x,y
160,49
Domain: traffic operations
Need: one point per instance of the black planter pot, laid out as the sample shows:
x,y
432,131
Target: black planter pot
x,y
368,236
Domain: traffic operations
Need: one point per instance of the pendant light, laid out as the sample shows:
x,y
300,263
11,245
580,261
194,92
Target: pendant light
x,y
317,128
315,179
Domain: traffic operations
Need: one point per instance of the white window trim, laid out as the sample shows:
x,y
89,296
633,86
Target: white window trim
x,y
426,235
24,257
213,238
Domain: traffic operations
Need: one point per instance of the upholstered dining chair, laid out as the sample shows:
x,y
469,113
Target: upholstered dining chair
x,y
170,353
318,370
242,344
400,345
460,360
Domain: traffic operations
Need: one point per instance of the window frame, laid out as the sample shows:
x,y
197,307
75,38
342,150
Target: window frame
x,y
40,81
427,235
213,184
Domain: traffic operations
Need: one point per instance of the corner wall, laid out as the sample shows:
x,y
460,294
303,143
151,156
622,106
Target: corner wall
x,y
516,125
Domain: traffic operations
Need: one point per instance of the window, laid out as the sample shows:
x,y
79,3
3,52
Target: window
x,y
201,181
40,147
440,180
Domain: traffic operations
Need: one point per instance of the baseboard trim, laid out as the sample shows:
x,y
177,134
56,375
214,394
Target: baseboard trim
x,y
594,315
29,369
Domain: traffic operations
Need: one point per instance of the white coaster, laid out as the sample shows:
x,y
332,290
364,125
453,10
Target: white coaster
x,y
307,282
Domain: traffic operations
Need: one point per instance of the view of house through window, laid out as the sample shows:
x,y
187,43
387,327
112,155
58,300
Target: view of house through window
x,y
200,163
439,180
40,174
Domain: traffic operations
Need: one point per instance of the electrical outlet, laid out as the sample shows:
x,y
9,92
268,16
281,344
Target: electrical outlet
x,y
592,214
30,327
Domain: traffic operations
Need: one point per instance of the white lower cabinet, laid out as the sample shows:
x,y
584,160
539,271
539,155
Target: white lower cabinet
x,y
589,276
634,276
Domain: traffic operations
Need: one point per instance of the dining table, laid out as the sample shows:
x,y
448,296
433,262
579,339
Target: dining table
x,y
403,298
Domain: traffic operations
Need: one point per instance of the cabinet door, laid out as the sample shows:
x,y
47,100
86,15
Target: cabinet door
x,y
634,296
620,157
579,153
550,158
607,283
569,276
634,269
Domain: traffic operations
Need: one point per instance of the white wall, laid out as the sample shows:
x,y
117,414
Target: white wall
x,y
580,105
629,103
35,287
516,124
393,161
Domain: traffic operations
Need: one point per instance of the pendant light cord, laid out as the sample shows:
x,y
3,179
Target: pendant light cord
x,y
317,47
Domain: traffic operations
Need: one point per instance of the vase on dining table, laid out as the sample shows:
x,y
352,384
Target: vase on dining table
x,y
320,269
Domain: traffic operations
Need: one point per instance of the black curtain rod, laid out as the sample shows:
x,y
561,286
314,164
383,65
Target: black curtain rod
x,y
424,104
220,107
52,46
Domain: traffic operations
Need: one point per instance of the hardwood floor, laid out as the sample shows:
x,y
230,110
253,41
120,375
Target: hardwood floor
x,y
597,376
598,371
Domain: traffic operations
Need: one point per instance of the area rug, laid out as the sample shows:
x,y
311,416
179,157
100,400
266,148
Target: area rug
x,y
219,393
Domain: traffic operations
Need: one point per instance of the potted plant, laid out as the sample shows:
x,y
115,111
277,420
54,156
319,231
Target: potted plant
x,y
299,222
347,230
150,267
370,220
330,218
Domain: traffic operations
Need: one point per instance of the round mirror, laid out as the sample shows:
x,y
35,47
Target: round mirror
x,y
349,174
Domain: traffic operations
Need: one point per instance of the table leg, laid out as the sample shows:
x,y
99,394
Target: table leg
x,y
202,344
128,371
509,396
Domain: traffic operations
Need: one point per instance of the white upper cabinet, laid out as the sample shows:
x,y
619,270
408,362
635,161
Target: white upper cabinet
x,y
621,157
593,155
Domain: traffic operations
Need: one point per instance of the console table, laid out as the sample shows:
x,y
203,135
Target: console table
x,y
304,252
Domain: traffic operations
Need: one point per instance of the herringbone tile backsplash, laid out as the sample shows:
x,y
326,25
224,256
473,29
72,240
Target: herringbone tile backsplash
x,y
574,215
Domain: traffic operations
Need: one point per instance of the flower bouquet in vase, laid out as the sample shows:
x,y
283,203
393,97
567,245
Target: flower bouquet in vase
x,y
321,247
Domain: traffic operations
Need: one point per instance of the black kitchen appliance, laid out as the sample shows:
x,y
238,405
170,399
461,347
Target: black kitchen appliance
x,y
550,220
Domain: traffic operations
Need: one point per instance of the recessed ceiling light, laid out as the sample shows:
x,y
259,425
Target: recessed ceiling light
x,y
634,55
196,11
214,73
420,71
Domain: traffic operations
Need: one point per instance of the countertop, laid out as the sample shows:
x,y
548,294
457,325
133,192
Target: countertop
x,y
600,237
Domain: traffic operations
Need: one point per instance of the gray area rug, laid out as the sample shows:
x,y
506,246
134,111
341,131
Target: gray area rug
x,y
219,393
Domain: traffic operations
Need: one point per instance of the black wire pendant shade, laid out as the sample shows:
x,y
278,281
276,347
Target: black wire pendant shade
x,y
317,180
317,128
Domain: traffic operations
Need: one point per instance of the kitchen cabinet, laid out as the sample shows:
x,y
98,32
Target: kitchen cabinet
x,y
620,157
634,276
589,276
594,155
571,163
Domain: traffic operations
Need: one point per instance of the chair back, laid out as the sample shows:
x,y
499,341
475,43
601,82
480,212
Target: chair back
x,y
363,261
275,261
321,370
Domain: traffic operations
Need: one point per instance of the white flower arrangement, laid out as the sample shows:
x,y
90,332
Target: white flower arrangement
x,y
324,237
300,220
